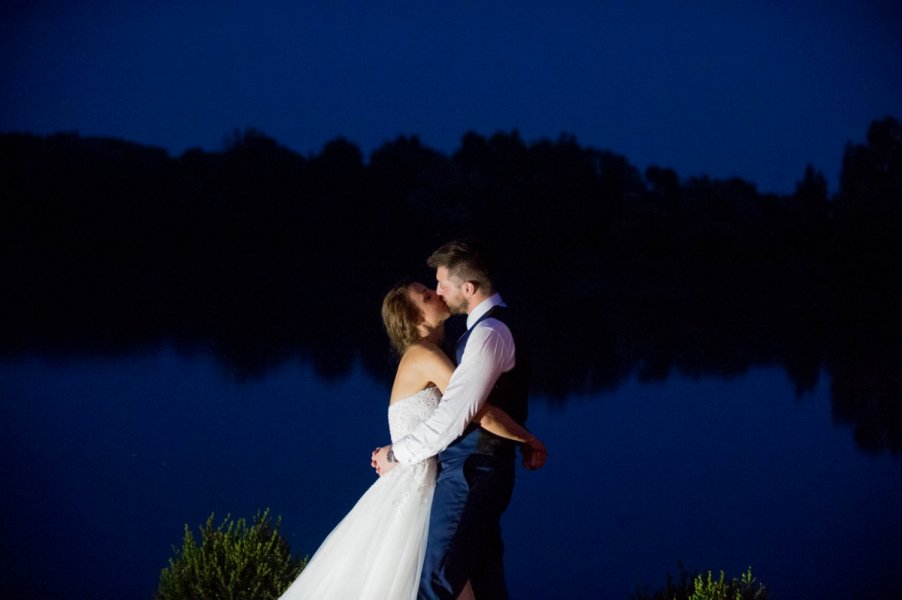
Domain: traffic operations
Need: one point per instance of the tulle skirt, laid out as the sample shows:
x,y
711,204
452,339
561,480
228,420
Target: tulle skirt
x,y
375,552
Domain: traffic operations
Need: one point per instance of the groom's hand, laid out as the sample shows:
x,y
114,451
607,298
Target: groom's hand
x,y
382,460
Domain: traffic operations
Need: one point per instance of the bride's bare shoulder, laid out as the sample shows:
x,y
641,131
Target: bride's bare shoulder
x,y
423,352
422,364
423,345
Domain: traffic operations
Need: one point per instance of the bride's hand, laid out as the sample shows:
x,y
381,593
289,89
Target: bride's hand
x,y
534,454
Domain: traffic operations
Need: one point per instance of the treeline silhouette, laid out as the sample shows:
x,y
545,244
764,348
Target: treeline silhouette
x,y
262,254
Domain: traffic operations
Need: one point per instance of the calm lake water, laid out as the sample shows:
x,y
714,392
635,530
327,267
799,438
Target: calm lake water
x,y
105,460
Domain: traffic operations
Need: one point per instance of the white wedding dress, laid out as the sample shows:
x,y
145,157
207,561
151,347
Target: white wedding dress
x,y
376,552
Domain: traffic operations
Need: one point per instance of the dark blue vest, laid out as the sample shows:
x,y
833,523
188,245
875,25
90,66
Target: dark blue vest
x,y
510,394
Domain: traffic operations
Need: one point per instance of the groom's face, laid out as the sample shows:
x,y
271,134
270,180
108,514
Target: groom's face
x,y
450,289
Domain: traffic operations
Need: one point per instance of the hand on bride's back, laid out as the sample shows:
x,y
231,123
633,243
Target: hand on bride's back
x,y
379,461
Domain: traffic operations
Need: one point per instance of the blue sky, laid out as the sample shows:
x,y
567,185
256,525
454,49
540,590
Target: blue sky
x,y
753,89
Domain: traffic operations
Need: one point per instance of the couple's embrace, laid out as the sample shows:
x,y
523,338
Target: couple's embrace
x,y
429,527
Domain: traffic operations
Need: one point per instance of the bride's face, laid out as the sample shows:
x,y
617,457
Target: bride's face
x,y
430,304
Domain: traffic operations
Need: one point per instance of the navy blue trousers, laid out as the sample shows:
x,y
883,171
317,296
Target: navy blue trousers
x,y
471,493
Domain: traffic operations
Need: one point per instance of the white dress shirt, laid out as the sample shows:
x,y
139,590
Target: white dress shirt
x,y
489,353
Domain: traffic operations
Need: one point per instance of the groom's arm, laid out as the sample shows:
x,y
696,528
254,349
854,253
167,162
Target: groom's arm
x,y
489,353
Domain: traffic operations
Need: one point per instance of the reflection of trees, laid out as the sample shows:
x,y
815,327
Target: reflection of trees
x,y
864,360
265,254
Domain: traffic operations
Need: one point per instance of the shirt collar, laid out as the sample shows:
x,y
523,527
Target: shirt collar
x,y
484,307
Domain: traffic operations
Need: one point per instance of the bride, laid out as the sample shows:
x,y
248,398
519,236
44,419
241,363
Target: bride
x,y
376,551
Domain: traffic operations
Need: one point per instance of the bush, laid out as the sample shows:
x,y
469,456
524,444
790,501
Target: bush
x,y
719,589
233,562
706,587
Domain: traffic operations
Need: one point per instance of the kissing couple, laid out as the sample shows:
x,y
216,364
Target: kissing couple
x,y
430,526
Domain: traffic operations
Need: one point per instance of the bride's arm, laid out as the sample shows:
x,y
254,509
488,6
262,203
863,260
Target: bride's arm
x,y
437,368
497,421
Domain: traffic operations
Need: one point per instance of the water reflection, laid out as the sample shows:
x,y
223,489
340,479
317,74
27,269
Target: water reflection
x,y
106,458
652,325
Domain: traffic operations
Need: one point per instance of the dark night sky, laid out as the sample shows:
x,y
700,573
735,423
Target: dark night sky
x,y
756,89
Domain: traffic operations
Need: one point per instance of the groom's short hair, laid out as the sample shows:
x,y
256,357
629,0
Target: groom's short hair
x,y
465,262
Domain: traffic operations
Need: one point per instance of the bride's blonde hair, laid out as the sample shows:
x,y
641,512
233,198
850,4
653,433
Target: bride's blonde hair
x,y
400,316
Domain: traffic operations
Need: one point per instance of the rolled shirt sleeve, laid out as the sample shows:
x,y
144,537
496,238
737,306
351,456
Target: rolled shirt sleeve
x,y
489,353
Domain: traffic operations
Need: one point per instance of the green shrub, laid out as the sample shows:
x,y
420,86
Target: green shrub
x,y
233,562
706,587
746,588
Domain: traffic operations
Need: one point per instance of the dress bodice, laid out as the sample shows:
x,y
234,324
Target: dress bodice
x,y
405,414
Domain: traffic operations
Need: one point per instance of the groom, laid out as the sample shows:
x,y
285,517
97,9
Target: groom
x,y
476,468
